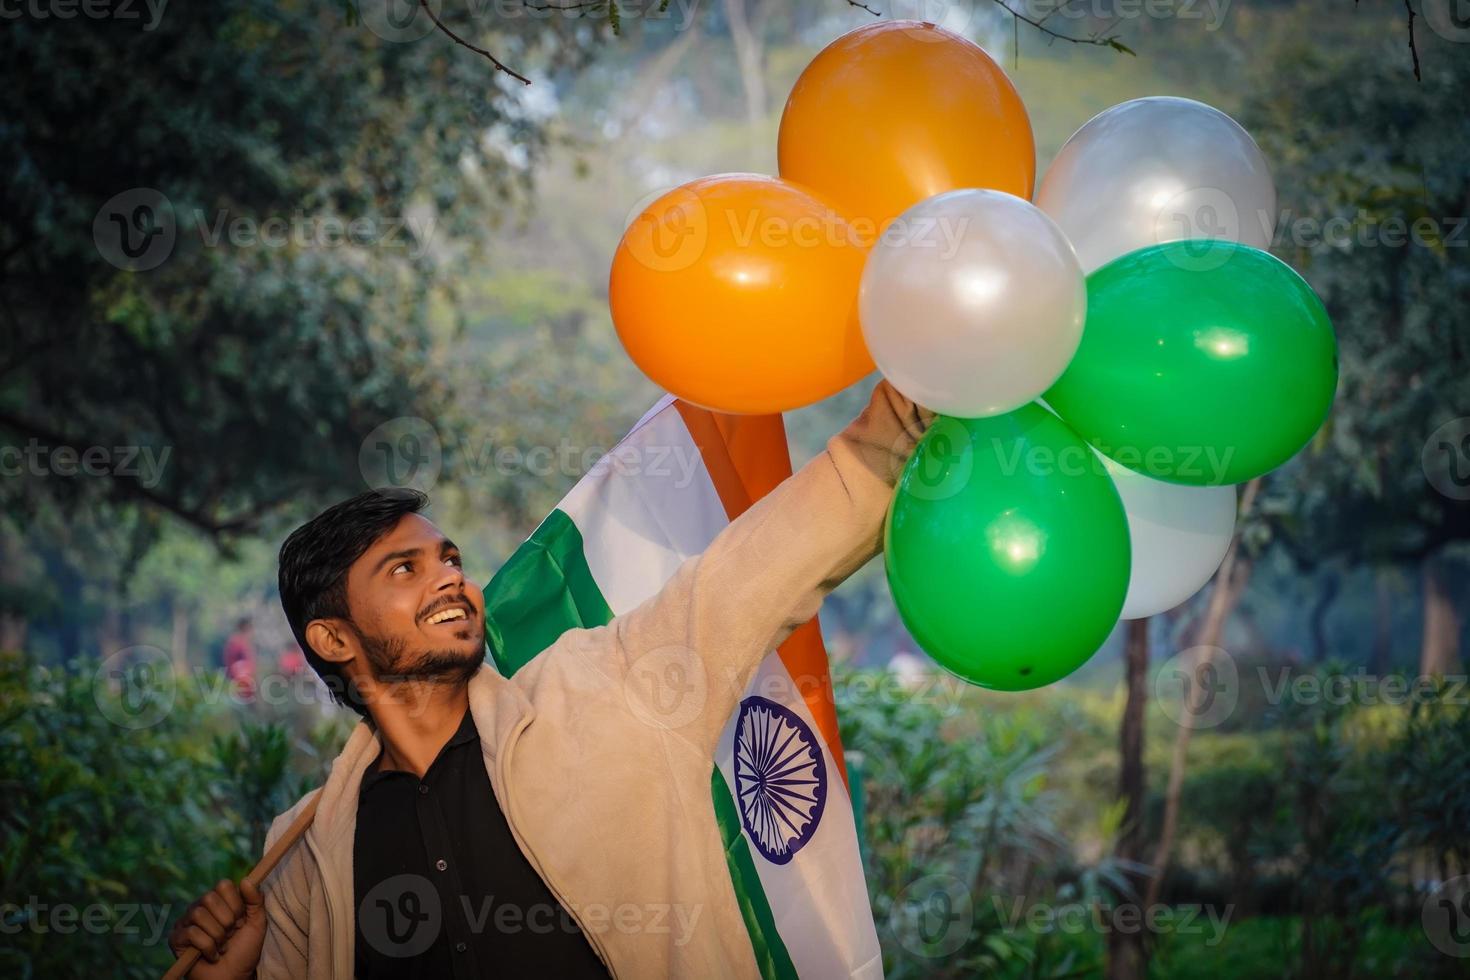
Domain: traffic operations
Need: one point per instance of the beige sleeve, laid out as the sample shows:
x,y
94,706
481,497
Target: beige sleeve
x,y
767,573
284,954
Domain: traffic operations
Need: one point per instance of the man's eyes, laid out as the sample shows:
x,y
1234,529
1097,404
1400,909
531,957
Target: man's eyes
x,y
406,567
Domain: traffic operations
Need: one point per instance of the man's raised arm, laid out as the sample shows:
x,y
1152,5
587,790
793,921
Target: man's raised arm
x,y
767,573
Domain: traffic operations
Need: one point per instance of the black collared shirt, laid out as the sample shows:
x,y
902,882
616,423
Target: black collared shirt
x,y
441,887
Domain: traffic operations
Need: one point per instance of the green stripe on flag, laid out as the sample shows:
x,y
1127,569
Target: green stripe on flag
x,y
765,942
544,590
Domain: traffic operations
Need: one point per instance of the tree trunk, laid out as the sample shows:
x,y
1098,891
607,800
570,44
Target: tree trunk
x,y
12,632
1382,655
1439,653
13,575
1318,620
652,80
745,33
69,631
178,646
1230,581
1127,951
110,632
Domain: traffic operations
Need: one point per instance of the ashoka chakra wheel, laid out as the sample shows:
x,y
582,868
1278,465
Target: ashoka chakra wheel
x,y
780,778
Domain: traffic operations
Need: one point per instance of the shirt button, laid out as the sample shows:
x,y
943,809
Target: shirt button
x,y
460,947
442,864
423,789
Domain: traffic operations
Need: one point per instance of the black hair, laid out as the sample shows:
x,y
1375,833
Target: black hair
x,y
314,563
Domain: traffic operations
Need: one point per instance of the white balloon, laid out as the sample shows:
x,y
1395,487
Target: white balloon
x,y
1158,170
1179,536
972,303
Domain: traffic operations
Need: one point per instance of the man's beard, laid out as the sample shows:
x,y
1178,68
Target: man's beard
x,y
391,666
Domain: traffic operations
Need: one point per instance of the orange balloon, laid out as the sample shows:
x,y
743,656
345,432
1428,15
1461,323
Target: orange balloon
x,y
888,115
738,292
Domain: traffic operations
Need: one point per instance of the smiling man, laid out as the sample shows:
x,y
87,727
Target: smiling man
x,y
476,824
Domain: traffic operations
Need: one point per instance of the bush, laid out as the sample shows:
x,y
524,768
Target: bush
x,y
119,810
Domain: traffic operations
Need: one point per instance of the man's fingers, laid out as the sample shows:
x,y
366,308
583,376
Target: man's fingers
x,y
201,940
205,921
230,892
176,935
220,909
250,892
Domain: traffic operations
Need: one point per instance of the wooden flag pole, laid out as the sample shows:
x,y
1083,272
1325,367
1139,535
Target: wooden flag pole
x,y
257,874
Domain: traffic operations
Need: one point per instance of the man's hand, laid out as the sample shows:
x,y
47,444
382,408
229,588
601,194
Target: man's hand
x,y
227,926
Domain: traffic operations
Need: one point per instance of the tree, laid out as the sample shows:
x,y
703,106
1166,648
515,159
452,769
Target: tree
x,y
1374,182
259,131
1127,952
221,235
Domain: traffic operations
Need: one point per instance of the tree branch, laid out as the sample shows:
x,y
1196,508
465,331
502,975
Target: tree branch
x,y
499,66
1097,40
1103,40
1223,597
1413,48
208,522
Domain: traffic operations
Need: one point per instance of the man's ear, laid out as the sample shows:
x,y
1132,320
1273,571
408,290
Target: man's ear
x,y
329,640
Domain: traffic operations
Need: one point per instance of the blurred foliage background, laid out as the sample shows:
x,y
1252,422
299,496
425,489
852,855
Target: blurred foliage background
x,y
253,371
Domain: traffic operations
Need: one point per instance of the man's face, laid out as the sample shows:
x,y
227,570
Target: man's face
x,y
416,615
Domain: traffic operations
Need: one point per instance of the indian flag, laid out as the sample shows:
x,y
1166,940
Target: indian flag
x,y
656,499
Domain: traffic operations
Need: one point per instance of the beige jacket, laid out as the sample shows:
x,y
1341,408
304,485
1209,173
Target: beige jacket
x,y
610,802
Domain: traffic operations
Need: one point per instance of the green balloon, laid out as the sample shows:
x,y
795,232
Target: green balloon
x,y
1007,548
1204,363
